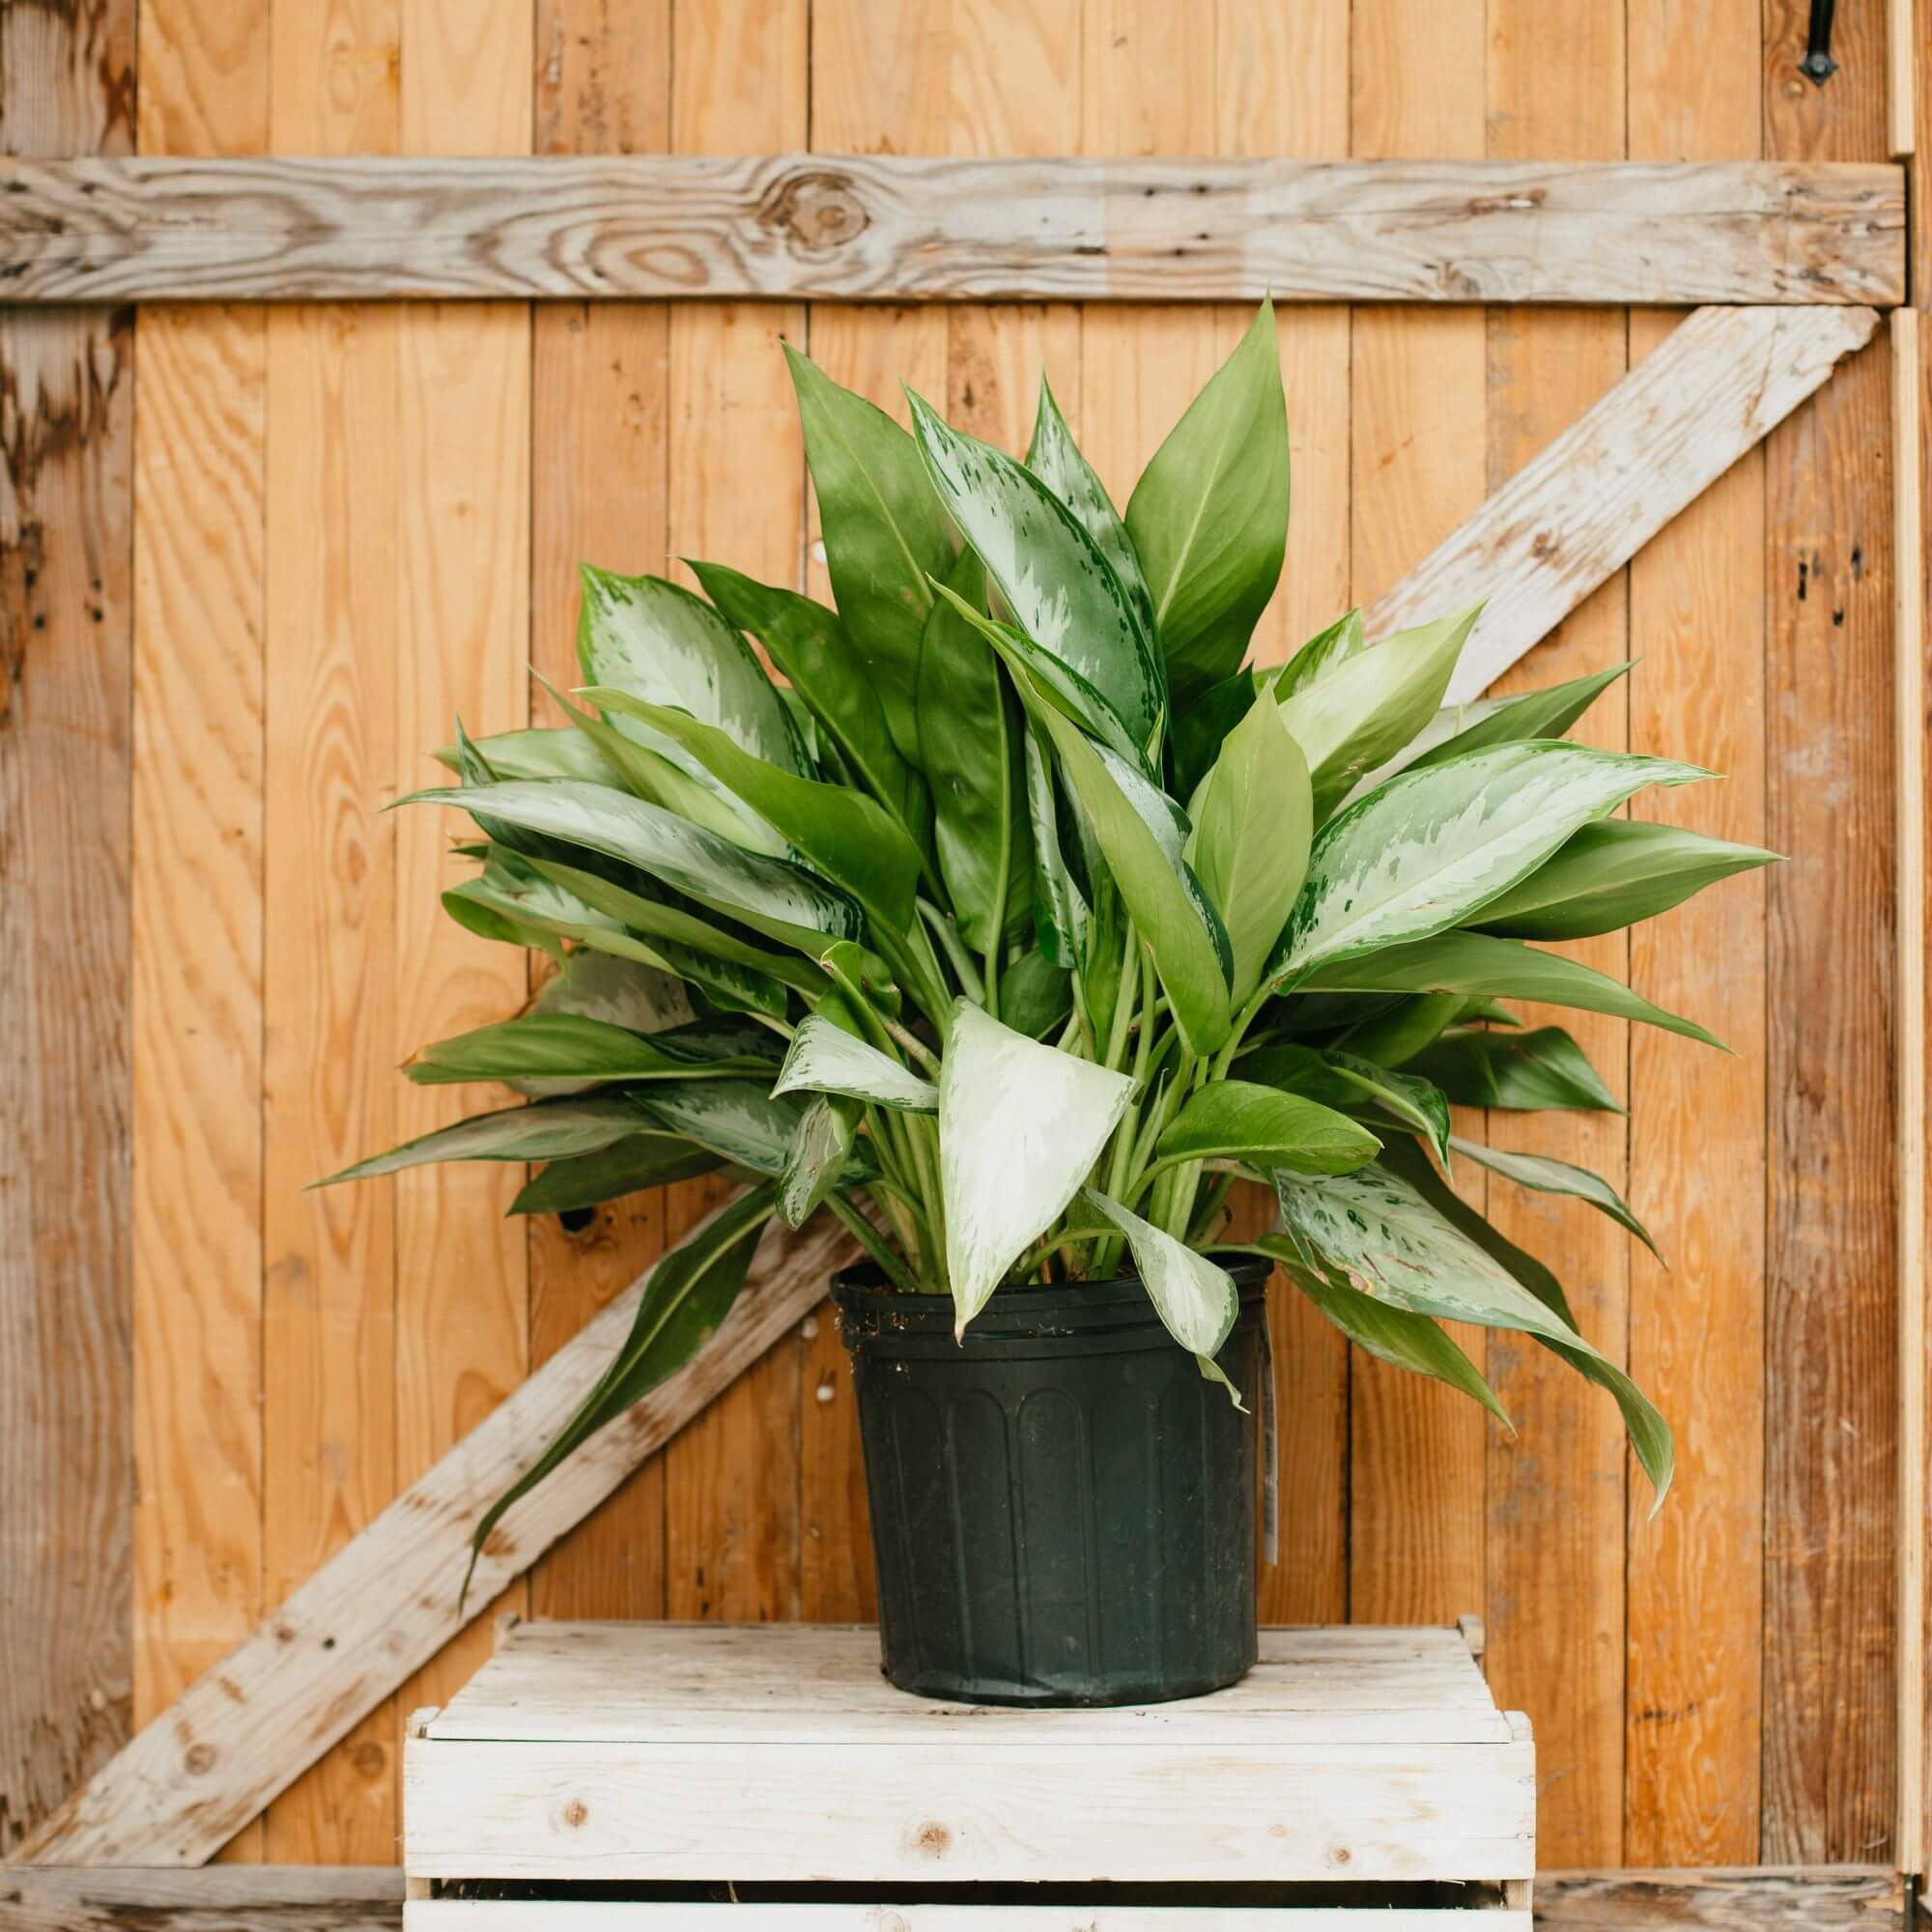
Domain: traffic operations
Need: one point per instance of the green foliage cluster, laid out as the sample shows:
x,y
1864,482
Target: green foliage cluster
x,y
1022,921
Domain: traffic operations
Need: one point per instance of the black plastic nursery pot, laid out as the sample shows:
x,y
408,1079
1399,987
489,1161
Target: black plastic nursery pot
x,y
1063,1508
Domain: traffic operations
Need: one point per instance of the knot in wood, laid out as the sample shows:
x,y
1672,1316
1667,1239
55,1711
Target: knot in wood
x,y
816,211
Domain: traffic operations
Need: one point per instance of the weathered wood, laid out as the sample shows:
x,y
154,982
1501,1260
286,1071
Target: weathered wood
x,y
904,228
1697,1134
1583,507
67,87
344,1640
1556,1490
1861,1898
1829,1788
1909,1042
1314,1768
228,1898
1416,1474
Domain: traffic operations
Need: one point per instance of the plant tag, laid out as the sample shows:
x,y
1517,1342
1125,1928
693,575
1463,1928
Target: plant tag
x,y
1271,1449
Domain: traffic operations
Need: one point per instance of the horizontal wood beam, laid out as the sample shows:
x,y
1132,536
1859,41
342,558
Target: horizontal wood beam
x,y
1596,494
369,1898
909,228
386,1603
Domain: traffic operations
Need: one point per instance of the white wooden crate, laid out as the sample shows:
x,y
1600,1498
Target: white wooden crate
x,y
583,1759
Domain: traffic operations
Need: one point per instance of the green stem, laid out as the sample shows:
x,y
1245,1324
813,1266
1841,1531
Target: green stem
x,y
868,1237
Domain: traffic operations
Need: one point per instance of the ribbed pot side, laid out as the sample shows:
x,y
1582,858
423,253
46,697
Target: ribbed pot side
x,y
1063,1508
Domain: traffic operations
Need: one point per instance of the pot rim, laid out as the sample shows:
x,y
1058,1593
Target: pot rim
x,y
851,1289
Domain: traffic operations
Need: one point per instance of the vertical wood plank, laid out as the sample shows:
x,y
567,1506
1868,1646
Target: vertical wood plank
x,y
597,468
883,79
1830,1439
67,87
1417,427
463,427
735,492
1693,1698
197,853
1283,85
330,1044
1556,1490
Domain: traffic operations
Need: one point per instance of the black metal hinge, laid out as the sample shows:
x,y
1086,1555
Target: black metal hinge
x,y
1818,65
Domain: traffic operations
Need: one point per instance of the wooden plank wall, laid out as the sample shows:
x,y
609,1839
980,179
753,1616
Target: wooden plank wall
x,y
341,523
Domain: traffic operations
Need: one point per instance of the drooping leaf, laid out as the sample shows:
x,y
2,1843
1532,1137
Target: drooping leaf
x,y
1196,1298
568,1046
1541,1067
1556,1177
689,1295
782,901
1359,709
970,742
1242,1120
1208,518
1055,458
546,1130
885,533
547,751
1351,1085
1470,963
1063,592
1020,1126
1610,876
625,1167
737,1120
1431,848
816,1157
1393,1335
656,641
1141,833
810,646
848,838
1253,820
826,1059
1376,1228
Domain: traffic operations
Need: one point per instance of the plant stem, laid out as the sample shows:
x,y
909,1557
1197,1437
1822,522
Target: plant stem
x,y
911,1043
868,1237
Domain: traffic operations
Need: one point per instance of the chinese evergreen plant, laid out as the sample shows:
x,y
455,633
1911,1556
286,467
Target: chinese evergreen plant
x,y
1021,922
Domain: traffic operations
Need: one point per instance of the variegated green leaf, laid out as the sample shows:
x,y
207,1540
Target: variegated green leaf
x,y
1351,1084
1055,458
1020,1126
1556,1177
826,1059
1429,850
816,1157
625,1167
544,1131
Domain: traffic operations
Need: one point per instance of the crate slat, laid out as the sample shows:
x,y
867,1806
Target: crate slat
x,y
542,1915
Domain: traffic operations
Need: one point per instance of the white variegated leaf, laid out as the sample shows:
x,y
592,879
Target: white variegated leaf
x,y
1020,1126
826,1059
619,991
1195,1299
1430,847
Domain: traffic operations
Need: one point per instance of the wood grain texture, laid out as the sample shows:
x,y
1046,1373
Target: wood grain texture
x,y
1765,1900
262,1898
337,1648
600,401
67,83
1606,485
736,468
462,650
897,228
1416,1453
197,861
1314,1768
1831,1289
1692,1705
331,755
1556,1488
1909,724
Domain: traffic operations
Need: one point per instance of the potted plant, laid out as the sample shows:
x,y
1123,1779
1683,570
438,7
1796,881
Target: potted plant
x,y
1018,927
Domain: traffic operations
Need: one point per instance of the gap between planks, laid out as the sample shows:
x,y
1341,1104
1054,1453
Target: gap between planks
x,y
385,1604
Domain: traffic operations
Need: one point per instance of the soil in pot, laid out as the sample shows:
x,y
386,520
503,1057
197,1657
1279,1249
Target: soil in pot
x,y
1062,1509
